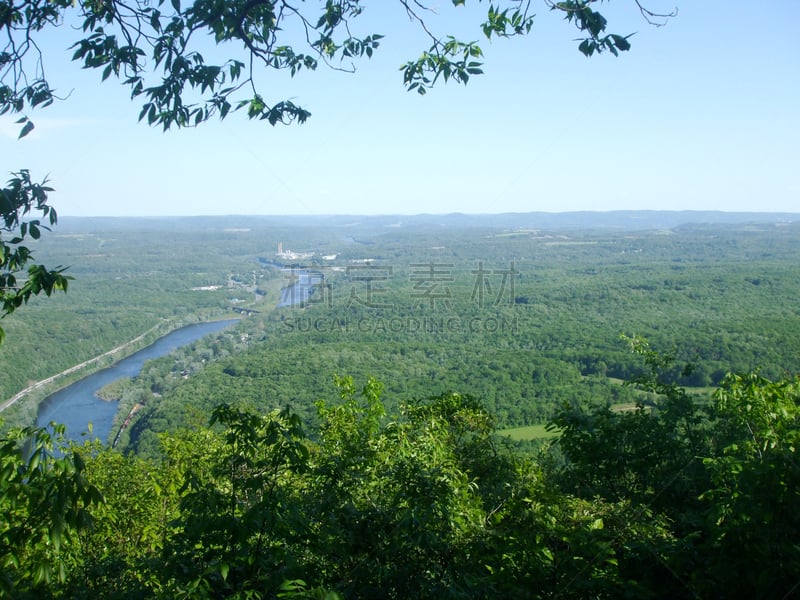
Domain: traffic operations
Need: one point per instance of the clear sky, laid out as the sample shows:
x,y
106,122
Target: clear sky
x,y
701,114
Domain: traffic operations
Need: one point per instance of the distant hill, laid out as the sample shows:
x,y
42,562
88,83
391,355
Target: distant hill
x,y
618,219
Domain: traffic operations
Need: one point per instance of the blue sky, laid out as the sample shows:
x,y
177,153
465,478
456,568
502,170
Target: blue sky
x,y
701,114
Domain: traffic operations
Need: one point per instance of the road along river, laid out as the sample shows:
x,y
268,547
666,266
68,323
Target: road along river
x,y
78,404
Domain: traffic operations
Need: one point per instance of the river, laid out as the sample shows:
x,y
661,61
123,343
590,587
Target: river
x,y
78,404
304,283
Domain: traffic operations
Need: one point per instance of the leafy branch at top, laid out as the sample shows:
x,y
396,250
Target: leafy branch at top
x,y
159,49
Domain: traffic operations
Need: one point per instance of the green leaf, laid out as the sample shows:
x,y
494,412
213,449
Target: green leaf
x,y
621,42
26,129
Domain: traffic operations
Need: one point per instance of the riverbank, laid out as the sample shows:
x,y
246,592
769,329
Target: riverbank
x,y
84,414
87,363
22,409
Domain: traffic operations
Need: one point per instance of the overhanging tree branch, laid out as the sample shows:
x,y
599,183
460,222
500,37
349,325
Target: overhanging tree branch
x,y
137,41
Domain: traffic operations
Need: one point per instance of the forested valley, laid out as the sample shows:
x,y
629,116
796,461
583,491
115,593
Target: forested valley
x,y
461,407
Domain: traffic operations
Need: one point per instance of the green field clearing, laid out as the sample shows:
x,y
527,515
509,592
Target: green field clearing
x,y
530,432
540,432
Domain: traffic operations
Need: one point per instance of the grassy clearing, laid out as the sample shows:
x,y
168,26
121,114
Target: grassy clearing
x,y
531,432
539,432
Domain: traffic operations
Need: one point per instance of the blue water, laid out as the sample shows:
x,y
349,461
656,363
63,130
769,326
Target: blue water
x,y
304,284
78,404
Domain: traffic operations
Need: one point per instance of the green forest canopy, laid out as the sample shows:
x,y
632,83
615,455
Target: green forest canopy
x,y
681,500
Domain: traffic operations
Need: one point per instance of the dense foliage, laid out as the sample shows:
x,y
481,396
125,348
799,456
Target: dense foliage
x,y
672,499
